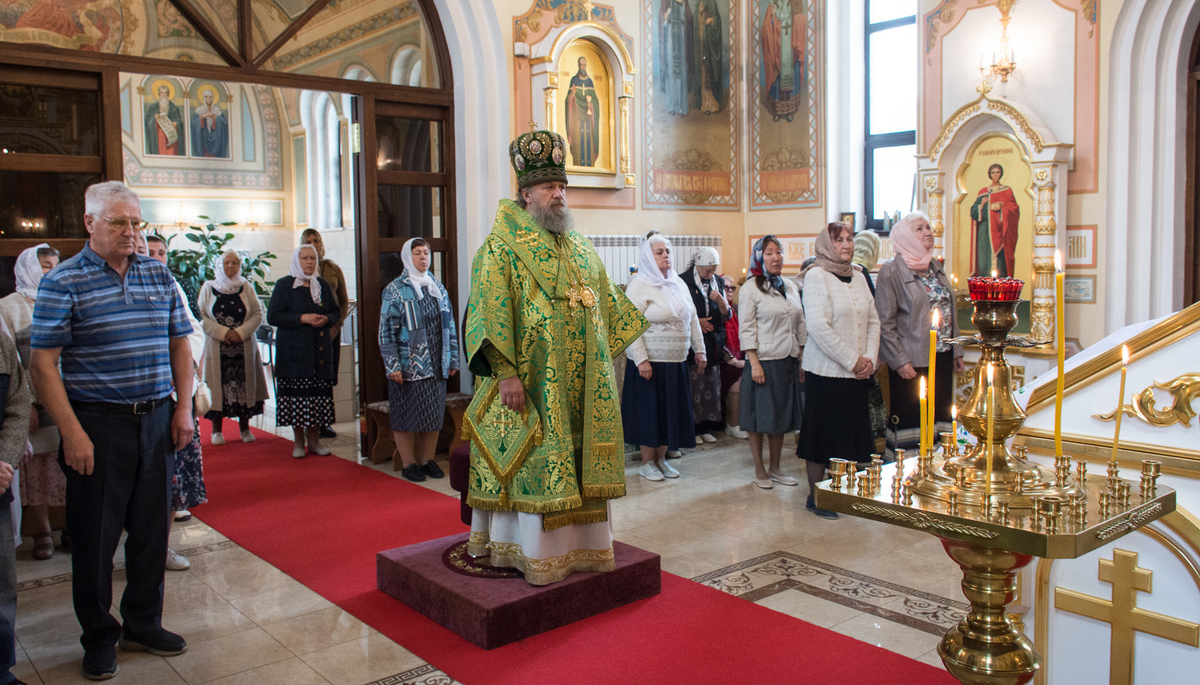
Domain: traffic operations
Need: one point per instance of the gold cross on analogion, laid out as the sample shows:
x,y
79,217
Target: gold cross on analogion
x,y
1123,613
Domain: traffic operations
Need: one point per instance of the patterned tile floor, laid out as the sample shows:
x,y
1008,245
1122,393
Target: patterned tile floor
x,y
248,623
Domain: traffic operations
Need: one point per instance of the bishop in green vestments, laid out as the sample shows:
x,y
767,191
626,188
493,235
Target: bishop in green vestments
x,y
543,325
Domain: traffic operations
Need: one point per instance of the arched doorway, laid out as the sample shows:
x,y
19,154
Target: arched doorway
x,y
1191,257
340,73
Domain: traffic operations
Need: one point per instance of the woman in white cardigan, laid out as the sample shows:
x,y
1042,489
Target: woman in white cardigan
x,y
843,344
772,335
230,313
656,402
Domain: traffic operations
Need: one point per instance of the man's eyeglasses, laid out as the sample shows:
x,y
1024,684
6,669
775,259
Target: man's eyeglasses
x,y
122,224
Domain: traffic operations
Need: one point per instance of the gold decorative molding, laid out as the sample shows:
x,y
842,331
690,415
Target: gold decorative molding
x,y
1166,332
1041,176
1041,319
1045,225
630,180
623,103
1122,612
551,96
931,182
1184,390
617,42
950,127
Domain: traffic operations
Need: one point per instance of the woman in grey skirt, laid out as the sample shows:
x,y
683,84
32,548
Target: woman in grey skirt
x,y
772,336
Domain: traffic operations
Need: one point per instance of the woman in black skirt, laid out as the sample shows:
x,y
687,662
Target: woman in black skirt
x,y
843,344
911,287
304,312
420,351
656,404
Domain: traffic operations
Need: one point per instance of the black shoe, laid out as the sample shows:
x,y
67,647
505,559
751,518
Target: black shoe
x,y
328,432
823,513
100,663
160,643
413,473
431,469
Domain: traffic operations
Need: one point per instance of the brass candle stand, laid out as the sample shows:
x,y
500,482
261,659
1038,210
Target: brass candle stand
x,y
993,531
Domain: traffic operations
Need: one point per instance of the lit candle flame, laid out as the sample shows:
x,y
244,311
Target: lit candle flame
x,y
990,369
922,387
936,319
1124,355
1058,264
954,412
994,273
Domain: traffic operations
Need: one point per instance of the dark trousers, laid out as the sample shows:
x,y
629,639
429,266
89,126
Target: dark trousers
x,y
129,489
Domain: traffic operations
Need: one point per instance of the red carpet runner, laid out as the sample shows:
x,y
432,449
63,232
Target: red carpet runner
x,y
322,519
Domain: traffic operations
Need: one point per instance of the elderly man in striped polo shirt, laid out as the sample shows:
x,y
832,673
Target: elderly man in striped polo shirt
x,y
116,323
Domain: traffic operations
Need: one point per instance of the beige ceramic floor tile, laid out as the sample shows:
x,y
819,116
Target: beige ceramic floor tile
x,y
144,671
317,630
228,655
47,627
362,660
280,603
23,669
805,607
50,598
204,618
237,573
931,657
64,659
893,637
290,672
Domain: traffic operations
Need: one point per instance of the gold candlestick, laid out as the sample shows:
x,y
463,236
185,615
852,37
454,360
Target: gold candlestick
x,y
1120,406
991,426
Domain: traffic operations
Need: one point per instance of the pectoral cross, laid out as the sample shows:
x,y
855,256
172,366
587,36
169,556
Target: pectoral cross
x,y
581,295
1123,613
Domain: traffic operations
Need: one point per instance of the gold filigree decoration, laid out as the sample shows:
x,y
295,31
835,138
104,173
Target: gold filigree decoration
x,y
1184,391
1026,128
930,182
950,127
1045,225
1042,175
922,520
1131,521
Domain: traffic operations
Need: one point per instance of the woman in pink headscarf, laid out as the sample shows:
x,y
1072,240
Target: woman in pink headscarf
x,y
908,289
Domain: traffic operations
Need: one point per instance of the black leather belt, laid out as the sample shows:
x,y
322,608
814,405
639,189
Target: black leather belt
x,y
135,409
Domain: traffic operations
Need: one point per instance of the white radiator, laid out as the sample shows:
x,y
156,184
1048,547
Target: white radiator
x,y
619,252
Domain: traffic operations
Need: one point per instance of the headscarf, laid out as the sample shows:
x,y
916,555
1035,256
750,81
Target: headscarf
x,y
756,264
908,244
421,280
28,271
866,249
671,285
828,257
301,279
705,256
223,283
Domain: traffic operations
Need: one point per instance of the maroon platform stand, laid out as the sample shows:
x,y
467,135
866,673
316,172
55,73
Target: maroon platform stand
x,y
492,612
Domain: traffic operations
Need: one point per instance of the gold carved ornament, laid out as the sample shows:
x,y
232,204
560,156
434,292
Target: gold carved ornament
x,y
1123,614
1184,391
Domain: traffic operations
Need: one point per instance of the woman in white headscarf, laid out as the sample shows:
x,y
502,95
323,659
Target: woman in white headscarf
x,y
230,314
42,482
420,351
656,404
708,298
305,313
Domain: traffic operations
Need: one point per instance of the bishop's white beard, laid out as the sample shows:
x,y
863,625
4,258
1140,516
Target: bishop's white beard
x,y
556,219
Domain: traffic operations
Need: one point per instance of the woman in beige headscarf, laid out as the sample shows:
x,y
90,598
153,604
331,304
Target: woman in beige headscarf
x,y
843,343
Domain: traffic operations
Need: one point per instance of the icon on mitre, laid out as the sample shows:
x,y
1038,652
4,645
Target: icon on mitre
x,y
501,436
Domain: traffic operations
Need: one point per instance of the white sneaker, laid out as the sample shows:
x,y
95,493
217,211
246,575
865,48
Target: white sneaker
x,y
218,438
650,472
736,432
182,515
247,436
176,561
708,437
667,470
674,454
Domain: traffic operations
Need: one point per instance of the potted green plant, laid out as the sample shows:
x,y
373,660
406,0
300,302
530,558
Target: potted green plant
x,y
193,267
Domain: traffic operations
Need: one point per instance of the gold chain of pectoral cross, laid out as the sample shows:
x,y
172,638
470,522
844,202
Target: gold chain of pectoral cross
x,y
579,293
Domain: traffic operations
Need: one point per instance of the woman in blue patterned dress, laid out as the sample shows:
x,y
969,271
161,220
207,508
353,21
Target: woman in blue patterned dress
x,y
420,351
